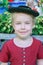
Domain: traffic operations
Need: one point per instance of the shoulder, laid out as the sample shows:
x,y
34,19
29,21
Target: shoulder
x,y
37,42
7,45
8,42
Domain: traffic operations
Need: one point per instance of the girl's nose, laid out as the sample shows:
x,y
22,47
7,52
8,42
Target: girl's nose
x,y
22,26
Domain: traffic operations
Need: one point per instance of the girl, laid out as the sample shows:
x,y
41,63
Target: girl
x,y
23,49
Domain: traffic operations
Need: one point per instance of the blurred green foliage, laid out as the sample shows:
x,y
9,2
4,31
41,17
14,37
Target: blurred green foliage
x,y
6,23
38,29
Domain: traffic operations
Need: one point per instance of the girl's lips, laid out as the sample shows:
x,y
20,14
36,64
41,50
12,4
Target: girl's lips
x,y
23,32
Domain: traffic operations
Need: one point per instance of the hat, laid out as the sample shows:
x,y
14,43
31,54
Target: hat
x,y
23,9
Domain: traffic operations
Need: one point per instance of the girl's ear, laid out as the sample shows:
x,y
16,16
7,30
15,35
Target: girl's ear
x,y
33,23
12,22
13,25
33,26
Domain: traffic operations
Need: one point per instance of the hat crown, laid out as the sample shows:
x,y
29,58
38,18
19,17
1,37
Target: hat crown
x,y
23,9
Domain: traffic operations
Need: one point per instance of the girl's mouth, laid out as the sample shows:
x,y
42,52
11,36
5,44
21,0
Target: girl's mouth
x,y
23,32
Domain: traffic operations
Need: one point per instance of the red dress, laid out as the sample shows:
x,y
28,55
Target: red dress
x,y
21,56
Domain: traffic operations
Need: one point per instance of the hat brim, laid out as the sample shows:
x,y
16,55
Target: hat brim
x,y
23,9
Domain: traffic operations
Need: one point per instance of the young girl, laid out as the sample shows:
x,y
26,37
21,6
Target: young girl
x,y
23,49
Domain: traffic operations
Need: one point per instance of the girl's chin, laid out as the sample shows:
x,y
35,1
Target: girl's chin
x,y
24,37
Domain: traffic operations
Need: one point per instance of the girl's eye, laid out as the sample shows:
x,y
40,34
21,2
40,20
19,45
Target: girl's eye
x,y
27,23
18,23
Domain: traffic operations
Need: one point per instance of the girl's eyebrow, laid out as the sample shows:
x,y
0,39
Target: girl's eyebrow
x,y
27,21
17,21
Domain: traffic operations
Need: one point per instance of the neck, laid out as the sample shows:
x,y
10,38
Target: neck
x,y
23,43
25,39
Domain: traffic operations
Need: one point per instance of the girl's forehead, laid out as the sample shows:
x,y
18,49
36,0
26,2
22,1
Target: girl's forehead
x,y
22,15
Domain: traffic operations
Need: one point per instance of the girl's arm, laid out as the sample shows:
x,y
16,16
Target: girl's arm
x,y
4,64
40,62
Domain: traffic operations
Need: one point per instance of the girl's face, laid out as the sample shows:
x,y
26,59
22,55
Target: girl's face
x,y
22,24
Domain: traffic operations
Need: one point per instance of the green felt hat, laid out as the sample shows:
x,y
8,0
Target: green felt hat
x,y
23,9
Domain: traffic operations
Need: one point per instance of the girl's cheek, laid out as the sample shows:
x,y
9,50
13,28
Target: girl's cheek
x,y
17,27
28,27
